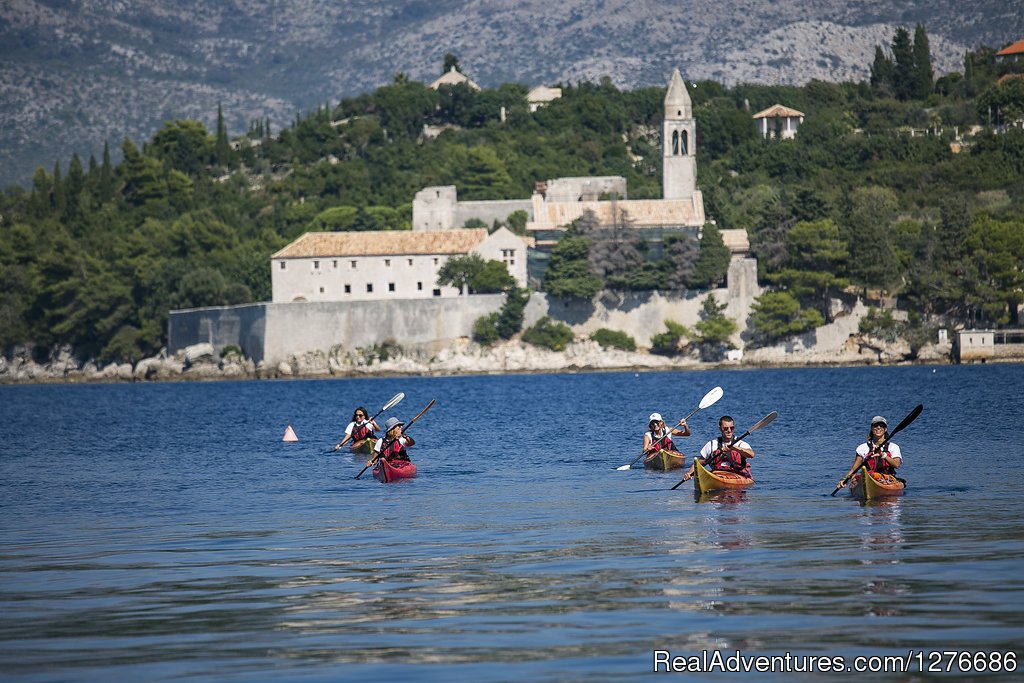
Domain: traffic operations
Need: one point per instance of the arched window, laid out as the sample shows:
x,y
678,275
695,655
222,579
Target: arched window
x,y
686,143
675,142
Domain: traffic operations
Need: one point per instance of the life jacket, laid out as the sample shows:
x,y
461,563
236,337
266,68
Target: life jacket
x,y
393,450
727,459
874,461
361,431
663,443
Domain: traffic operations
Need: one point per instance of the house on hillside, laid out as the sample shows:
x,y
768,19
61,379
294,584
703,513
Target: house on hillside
x,y
542,95
1011,53
779,122
453,77
370,266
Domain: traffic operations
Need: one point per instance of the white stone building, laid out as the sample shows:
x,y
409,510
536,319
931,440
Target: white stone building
x,y
453,77
778,121
541,95
368,266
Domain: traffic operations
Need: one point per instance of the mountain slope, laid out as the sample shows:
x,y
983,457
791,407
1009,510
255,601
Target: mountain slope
x,y
75,74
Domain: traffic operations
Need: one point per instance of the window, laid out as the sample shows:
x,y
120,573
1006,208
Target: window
x,y
512,262
387,263
419,286
437,292
410,261
391,286
352,264
321,290
316,265
435,261
335,263
348,289
369,286
282,265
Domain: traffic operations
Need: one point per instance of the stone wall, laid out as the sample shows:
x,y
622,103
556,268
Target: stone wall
x,y
270,333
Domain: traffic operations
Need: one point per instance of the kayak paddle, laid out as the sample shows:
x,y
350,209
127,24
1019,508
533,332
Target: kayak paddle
x,y
395,400
404,431
709,400
904,423
763,422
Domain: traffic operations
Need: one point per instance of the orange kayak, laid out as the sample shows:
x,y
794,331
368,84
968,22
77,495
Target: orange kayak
x,y
707,480
868,485
663,460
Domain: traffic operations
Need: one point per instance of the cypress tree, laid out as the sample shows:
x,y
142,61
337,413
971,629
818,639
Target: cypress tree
x,y
881,70
903,64
106,175
923,76
222,150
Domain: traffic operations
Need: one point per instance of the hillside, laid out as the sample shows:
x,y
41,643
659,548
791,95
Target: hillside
x,y
75,74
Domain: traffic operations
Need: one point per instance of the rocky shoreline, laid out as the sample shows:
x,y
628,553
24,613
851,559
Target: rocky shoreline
x,y
200,362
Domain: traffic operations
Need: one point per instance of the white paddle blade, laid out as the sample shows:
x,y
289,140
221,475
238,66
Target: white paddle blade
x,y
623,468
395,400
766,420
711,398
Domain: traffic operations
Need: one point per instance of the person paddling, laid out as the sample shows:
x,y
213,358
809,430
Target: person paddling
x,y
361,428
658,437
392,447
724,454
878,454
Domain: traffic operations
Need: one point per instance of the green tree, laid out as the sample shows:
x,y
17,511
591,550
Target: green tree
x,y
567,275
492,278
713,259
923,76
872,261
815,262
777,315
459,271
714,329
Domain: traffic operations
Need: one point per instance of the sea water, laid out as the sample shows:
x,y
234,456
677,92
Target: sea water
x,y
165,531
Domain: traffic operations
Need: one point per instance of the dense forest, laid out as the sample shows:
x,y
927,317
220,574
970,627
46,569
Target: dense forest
x,y
904,183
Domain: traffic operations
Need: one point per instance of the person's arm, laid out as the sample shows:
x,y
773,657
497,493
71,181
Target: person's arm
x,y
685,431
648,442
348,435
858,460
745,449
896,458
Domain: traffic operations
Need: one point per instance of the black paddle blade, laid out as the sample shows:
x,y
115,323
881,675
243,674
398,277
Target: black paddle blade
x,y
907,420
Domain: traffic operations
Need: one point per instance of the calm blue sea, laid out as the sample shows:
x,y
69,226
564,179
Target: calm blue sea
x,y
164,532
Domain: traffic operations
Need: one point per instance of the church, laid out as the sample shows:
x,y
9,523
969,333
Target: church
x,y
558,202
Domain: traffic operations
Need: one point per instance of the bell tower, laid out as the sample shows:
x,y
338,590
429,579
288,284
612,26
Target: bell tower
x,y
678,142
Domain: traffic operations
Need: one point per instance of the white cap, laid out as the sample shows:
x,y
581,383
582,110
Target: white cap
x,y
655,416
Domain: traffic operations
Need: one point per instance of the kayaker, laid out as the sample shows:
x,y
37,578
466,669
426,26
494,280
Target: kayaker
x,y
877,453
724,454
658,437
360,428
393,445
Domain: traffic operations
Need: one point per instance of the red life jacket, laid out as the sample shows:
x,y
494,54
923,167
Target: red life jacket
x,y
393,450
361,431
727,459
664,443
875,462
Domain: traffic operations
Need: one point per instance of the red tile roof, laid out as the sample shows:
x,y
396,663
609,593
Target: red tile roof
x,y
382,243
1015,49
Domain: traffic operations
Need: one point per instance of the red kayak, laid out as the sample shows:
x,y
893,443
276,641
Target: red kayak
x,y
386,470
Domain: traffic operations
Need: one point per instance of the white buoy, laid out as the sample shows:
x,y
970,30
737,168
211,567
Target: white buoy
x,y
289,434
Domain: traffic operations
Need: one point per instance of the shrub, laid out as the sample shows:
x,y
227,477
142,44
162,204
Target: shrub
x,y
615,339
229,350
485,329
550,334
669,343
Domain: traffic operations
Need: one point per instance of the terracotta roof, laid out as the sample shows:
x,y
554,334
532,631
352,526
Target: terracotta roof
x,y
382,243
1015,49
777,110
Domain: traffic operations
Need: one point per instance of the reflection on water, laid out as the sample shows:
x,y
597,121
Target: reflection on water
x,y
198,545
